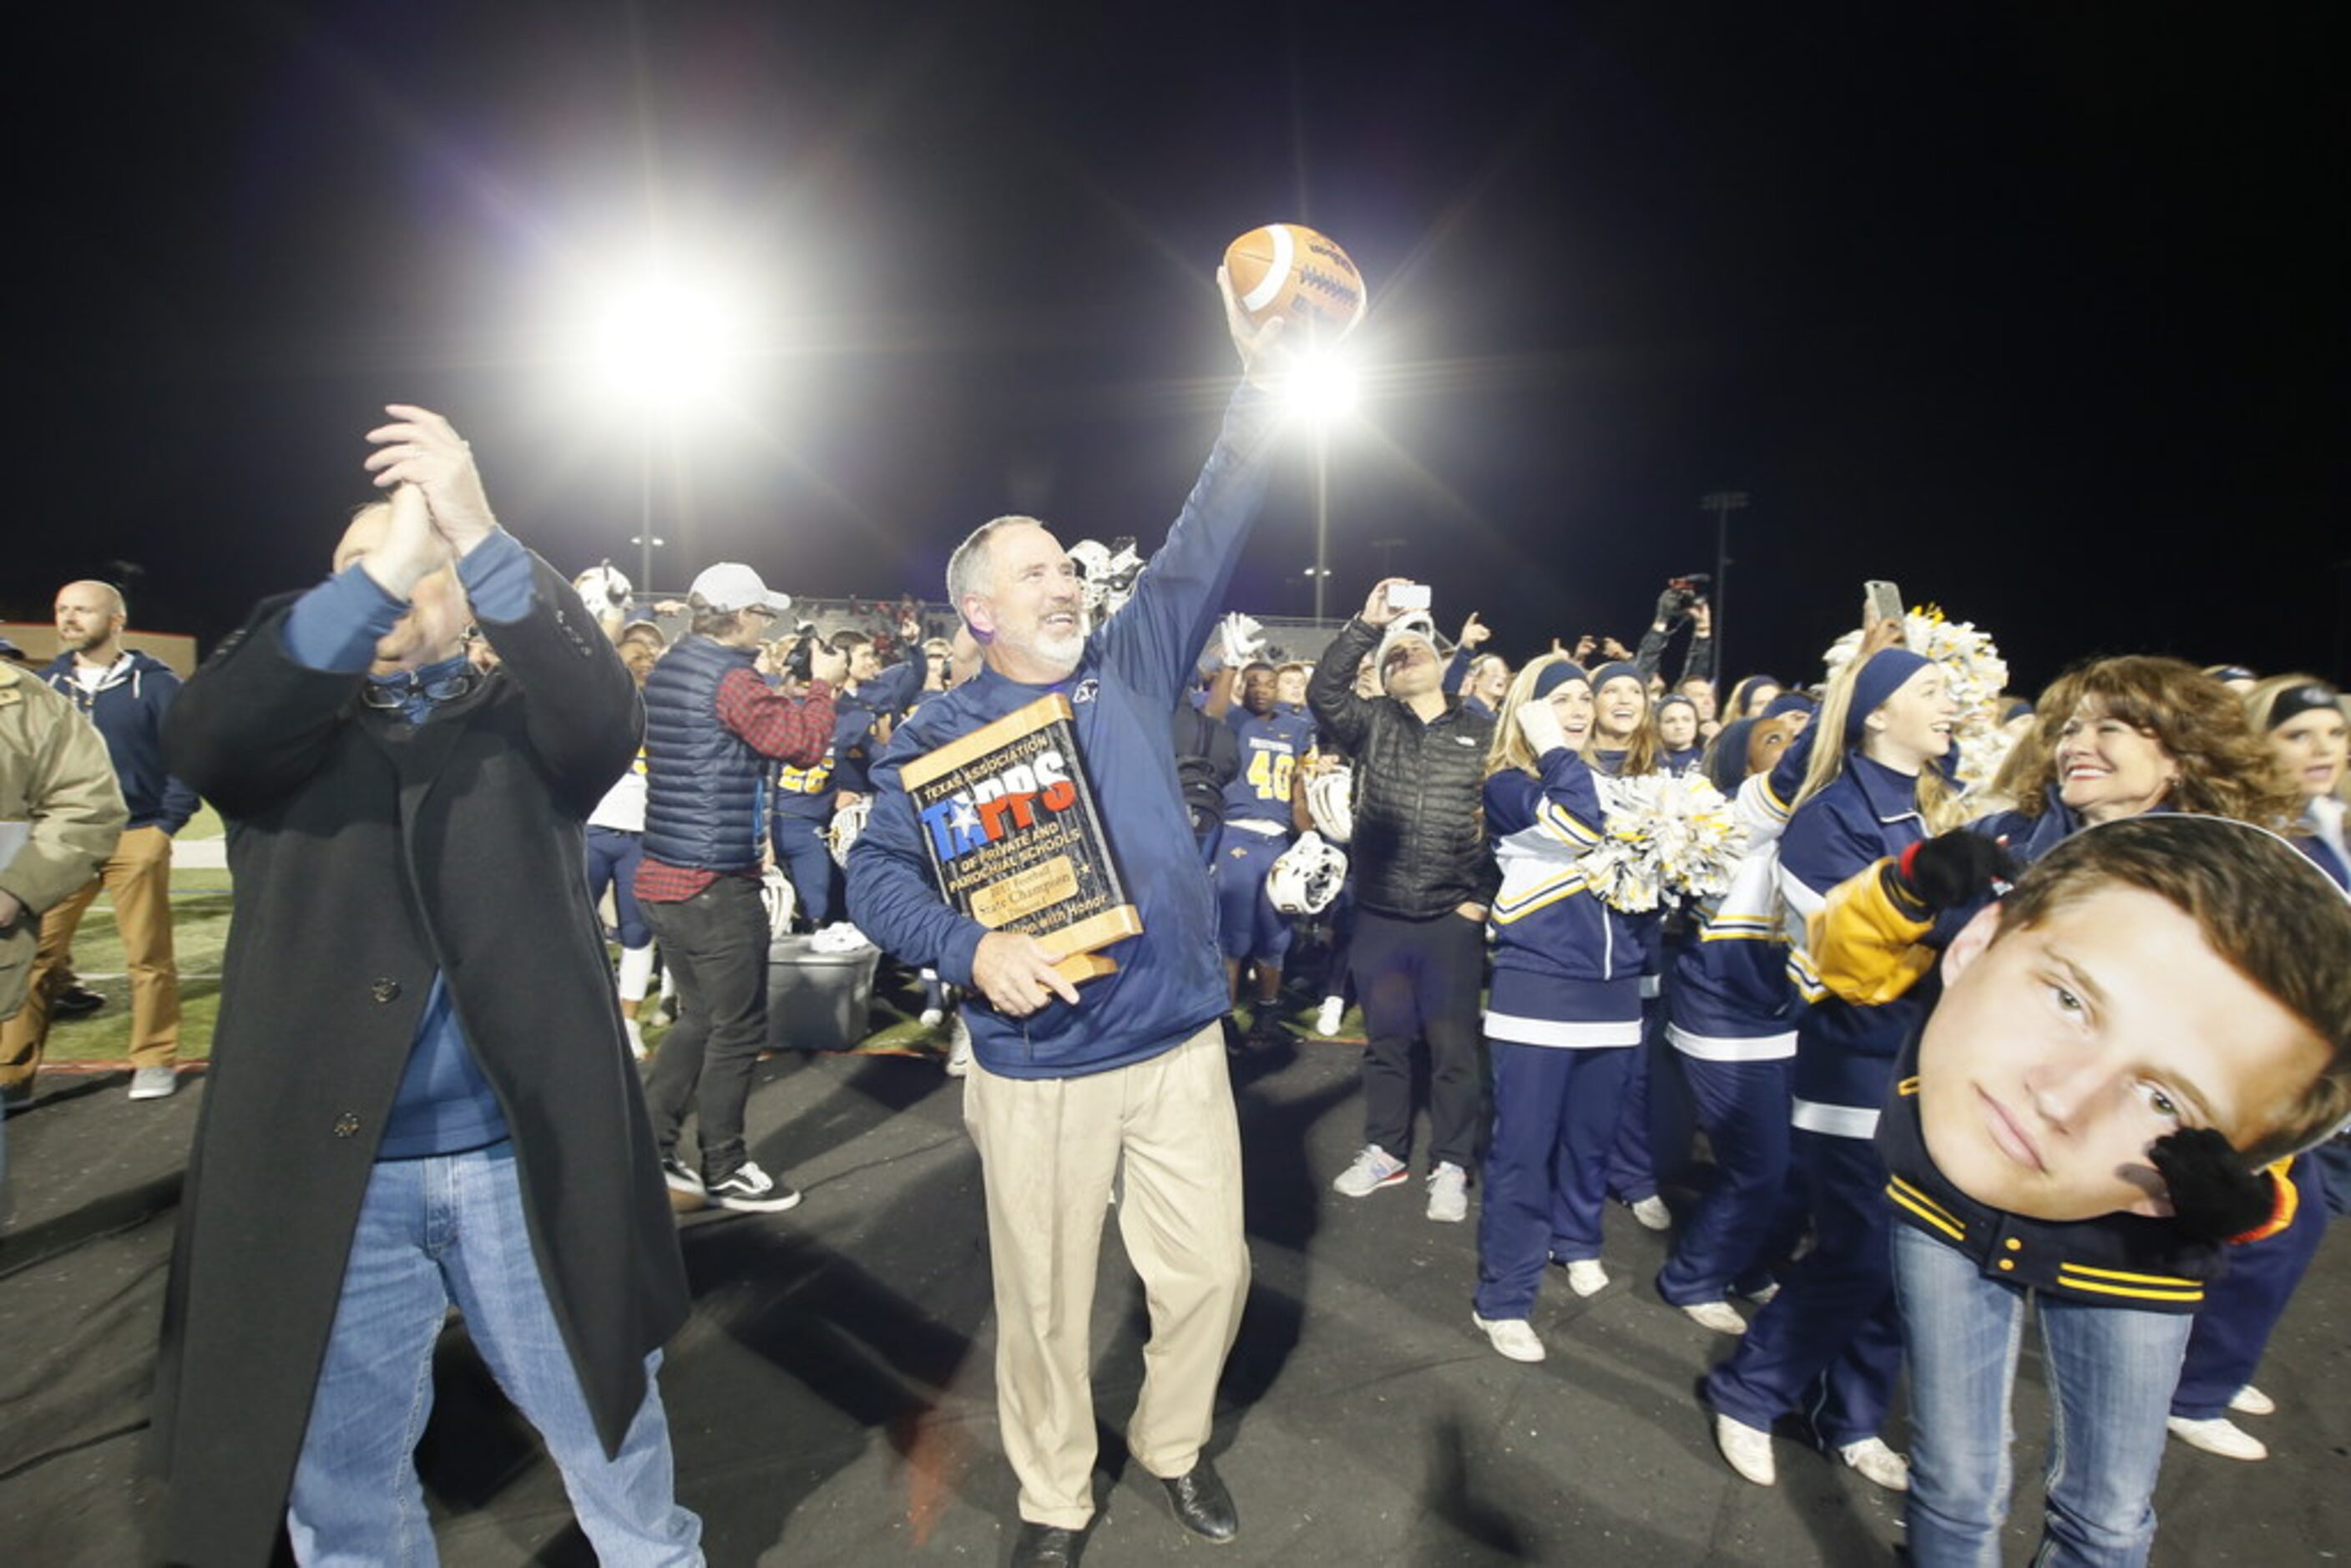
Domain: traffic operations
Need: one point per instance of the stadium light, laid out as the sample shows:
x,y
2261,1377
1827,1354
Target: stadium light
x,y
667,342
1322,386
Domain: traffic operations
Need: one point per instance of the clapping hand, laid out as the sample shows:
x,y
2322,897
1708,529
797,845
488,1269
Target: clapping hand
x,y
422,450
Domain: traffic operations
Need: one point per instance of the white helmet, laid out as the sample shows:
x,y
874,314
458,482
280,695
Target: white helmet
x,y
605,588
776,892
847,823
1306,876
1108,571
1331,802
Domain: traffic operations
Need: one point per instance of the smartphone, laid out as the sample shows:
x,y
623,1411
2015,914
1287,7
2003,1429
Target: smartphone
x,y
1407,596
1880,601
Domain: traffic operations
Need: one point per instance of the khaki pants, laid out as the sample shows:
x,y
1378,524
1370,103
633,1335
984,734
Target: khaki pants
x,y
138,877
1050,1150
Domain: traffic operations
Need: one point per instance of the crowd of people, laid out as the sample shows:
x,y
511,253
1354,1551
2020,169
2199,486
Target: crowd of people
x,y
481,823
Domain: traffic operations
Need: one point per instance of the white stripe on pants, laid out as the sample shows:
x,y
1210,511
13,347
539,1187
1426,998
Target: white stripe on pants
x,y
1050,1150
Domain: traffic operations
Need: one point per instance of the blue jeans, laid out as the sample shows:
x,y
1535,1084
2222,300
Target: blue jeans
x,y
2110,1371
431,1231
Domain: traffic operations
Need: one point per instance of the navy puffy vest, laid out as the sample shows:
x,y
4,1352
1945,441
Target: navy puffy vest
x,y
703,783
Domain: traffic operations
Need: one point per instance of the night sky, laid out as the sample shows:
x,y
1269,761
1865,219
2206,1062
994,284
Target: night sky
x,y
2031,308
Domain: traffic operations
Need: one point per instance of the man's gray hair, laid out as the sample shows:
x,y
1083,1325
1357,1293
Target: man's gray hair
x,y
968,568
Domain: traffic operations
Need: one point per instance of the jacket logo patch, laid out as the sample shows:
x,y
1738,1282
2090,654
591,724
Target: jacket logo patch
x,y
1086,691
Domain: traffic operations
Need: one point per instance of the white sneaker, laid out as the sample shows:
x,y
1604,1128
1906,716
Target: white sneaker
x,y
1514,1337
1878,1464
1762,1298
636,1032
2219,1436
1326,1022
1586,1276
1719,1316
1748,1450
153,1083
934,1017
959,1049
1374,1169
2251,1401
1653,1214
1448,1197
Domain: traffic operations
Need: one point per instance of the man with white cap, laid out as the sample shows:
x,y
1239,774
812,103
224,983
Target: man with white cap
x,y
713,731
1425,880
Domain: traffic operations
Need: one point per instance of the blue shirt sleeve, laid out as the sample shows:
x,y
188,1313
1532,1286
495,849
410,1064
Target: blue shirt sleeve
x,y
1152,640
496,577
337,625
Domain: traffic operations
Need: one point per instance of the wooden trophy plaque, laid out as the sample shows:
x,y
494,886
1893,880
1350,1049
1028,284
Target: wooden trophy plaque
x,y
1016,838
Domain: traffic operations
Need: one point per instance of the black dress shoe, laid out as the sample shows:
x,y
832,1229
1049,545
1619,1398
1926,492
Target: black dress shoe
x,y
1047,1546
1202,1506
75,1001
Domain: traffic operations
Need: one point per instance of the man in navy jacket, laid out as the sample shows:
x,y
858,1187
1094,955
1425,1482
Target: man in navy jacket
x,y
124,692
1069,1088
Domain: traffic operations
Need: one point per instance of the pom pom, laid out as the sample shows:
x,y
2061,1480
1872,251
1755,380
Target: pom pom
x,y
1669,840
1974,673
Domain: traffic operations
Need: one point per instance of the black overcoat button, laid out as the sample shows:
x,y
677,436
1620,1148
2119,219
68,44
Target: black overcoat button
x,y
347,1124
385,989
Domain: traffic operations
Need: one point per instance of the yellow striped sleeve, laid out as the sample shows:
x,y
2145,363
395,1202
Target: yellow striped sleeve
x,y
1864,949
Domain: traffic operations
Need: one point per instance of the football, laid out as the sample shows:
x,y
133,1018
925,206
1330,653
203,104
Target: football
x,y
1291,271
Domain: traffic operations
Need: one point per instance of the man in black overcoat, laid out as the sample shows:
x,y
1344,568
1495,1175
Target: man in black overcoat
x,y
419,1092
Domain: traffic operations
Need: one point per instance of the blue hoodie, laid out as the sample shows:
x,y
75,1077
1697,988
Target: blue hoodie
x,y
1170,981
127,708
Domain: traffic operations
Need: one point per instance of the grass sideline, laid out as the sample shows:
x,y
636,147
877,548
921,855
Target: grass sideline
x,y
200,919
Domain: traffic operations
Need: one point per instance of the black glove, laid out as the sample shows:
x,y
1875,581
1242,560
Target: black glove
x,y
2214,1195
1669,607
1950,869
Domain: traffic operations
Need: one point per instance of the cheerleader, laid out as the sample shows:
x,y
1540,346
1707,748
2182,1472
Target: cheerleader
x,y
1623,744
2306,733
1679,747
1731,1017
1830,1342
1564,1013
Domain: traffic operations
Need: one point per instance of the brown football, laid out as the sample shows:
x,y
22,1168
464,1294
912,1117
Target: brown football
x,y
1291,271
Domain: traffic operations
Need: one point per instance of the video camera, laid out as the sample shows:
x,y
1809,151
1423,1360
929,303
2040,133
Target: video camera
x,y
801,662
1683,592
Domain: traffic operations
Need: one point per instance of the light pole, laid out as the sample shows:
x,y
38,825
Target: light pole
x,y
1722,503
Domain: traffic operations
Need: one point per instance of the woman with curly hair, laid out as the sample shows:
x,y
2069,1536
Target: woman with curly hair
x,y
2139,732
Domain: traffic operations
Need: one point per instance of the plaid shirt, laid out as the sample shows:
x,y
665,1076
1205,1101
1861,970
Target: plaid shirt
x,y
790,729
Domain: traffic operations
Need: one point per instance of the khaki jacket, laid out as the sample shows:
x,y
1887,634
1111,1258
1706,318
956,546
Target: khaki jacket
x,y
60,812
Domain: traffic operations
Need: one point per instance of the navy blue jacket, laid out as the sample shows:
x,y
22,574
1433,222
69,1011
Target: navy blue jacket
x,y
128,709
1844,1054
702,781
1170,981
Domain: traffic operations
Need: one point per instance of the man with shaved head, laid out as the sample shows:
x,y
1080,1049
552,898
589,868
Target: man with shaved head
x,y
125,694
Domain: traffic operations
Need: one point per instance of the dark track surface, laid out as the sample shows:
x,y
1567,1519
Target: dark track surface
x,y
831,1398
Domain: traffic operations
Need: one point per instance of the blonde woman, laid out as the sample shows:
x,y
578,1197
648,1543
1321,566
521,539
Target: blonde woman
x,y
1830,1342
1564,1017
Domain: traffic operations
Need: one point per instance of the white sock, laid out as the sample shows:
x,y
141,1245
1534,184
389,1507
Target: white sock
x,y
636,972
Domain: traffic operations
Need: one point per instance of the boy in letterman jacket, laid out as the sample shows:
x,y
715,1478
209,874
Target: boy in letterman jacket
x,y
2158,1009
